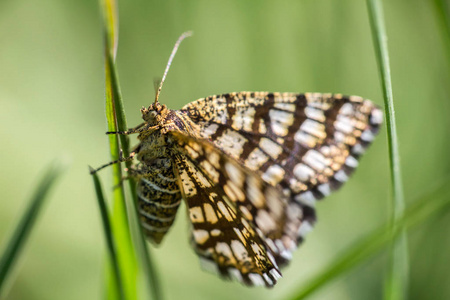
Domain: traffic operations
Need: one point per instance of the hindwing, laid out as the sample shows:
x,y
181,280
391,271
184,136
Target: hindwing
x,y
240,222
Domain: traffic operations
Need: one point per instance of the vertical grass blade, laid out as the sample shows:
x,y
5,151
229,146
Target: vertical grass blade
x,y
151,274
397,277
110,241
119,220
23,229
117,122
442,8
422,210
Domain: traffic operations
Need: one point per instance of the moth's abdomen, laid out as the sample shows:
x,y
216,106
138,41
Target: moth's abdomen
x,y
159,197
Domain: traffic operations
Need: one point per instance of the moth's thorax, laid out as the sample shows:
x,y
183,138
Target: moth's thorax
x,y
167,119
156,142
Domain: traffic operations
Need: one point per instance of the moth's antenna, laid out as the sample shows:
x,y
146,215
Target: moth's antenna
x,y
172,55
156,82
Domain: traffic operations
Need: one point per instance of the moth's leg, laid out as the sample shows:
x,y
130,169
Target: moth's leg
x,y
121,159
138,129
138,172
129,131
132,172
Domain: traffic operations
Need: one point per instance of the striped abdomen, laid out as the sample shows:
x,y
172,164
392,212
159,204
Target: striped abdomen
x,y
159,197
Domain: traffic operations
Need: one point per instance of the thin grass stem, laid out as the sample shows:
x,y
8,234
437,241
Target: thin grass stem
x,y
117,122
26,224
110,241
119,220
397,278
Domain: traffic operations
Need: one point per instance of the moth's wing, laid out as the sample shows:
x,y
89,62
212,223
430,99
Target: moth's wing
x,y
306,143
239,221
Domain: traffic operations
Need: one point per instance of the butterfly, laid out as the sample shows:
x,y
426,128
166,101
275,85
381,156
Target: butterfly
x,y
250,167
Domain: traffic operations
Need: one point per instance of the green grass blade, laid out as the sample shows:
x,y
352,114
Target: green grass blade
x,y
151,273
117,122
442,8
23,229
119,220
397,277
110,241
422,210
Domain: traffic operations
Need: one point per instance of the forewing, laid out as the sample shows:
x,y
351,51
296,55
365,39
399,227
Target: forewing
x,y
239,220
306,143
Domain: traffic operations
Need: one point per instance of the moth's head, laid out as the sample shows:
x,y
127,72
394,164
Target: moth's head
x,y
154,114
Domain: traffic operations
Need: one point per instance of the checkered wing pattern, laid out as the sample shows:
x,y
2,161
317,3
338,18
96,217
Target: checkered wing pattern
x,y
306,144
225,202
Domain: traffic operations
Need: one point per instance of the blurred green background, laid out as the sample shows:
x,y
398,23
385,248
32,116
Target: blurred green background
x,y
52,104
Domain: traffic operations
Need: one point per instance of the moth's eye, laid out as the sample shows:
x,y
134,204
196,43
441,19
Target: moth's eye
x,y
153,114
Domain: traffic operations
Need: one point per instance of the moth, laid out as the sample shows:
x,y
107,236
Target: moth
x,y
250,167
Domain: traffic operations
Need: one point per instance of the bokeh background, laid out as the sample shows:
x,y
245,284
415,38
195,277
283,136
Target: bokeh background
x,y
52,104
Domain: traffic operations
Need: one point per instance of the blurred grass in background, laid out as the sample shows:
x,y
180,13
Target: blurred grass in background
x,y
52,102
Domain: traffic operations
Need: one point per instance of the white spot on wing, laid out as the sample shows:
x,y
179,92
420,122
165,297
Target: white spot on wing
x,y
212,172
304,229
344,124
351,162
274,174
210,214
346,109
256,159
306,198
270,147
315,159
243,118
200,236
303,172
285,106
280,121
215,232
315,114
367,136
305,139
267,279
239,250
233,192
210,130
234,173
245,212
324,188
235,274
196,214
224,210
313,127
224,249
358,149
294,212
231,142
264,221
275,273
256,279
376,117
191,151
254,193
341,176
